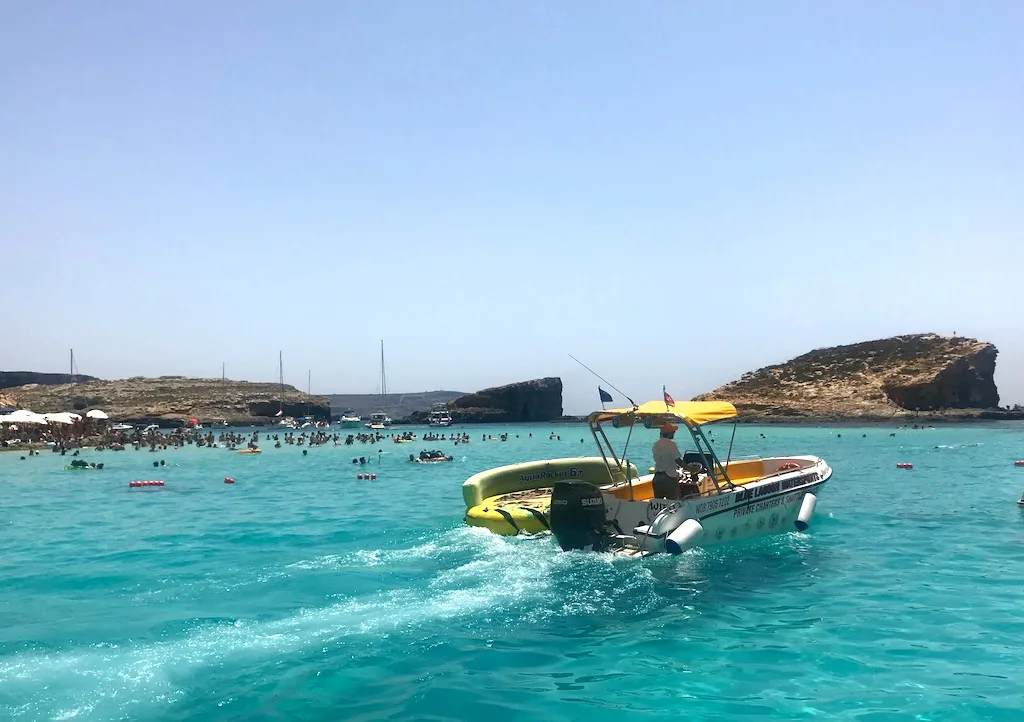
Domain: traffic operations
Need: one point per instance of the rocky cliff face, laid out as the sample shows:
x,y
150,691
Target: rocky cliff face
x,y
174,398
9,379
875,379
7,402
537,400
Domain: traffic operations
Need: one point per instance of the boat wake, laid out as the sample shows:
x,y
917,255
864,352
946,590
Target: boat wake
x,y
478,575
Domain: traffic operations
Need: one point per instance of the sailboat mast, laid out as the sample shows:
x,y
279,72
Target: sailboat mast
x,y
280,381
383,372
72,368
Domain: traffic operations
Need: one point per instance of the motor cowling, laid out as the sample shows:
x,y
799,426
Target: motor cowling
x,y
577,515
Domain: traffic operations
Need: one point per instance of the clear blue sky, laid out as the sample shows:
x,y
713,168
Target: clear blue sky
x,y
674,192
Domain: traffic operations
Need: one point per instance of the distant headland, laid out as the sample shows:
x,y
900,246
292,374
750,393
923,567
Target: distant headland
x,y
173,400
904,379
918,377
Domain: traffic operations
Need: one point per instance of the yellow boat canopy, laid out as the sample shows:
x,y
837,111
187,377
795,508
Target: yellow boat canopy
x,y
691,413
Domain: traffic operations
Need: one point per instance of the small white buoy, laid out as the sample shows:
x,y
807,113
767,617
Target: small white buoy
x,y
803,519
686,536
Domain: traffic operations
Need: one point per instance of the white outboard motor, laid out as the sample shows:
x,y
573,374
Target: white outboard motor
x,y
803,519
686,536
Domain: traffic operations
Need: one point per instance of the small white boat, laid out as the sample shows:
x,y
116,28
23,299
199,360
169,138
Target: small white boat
x,y
600,503
122,427
439,416
350,421
378,420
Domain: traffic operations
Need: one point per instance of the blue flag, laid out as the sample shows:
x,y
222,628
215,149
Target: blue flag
x,y
605,396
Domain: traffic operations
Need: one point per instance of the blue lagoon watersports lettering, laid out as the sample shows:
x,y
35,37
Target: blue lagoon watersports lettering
x,y
776,486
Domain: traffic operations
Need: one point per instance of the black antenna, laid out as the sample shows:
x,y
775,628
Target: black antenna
x,y
631,402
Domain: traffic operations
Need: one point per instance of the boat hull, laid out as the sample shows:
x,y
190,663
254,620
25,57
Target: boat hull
x,y
761,508
512,500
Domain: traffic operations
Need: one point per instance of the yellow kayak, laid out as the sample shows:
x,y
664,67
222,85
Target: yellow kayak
x,y
249,451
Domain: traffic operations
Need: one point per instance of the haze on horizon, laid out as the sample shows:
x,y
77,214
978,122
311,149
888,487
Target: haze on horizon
x,y
675,193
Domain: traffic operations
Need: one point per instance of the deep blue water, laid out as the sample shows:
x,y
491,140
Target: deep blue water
x,y
302,593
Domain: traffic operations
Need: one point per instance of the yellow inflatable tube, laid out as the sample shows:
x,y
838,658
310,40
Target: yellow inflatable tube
x,y
517,498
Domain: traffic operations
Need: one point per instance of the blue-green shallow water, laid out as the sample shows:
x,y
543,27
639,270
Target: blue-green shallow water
x,y
302,593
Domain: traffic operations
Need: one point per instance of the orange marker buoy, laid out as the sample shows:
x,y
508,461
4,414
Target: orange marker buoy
x,y
228,480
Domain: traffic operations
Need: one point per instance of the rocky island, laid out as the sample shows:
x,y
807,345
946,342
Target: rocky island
x,y
538,400
919,376
172,400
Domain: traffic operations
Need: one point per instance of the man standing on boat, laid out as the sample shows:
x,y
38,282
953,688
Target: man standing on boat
x,y
667,461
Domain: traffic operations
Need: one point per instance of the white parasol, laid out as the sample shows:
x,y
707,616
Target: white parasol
x,y
63,418
23,416
96,414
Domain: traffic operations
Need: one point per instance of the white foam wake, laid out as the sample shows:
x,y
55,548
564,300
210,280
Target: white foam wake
x,y
111,680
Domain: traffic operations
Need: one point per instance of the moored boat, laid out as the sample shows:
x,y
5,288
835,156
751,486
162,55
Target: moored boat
x,y
601,503
439,416
349,420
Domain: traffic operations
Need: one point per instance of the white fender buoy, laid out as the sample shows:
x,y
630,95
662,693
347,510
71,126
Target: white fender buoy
x,y
803,519
686,536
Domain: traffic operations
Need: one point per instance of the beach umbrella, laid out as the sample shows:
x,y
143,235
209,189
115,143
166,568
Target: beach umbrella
x,y
96,414
23,416
64,418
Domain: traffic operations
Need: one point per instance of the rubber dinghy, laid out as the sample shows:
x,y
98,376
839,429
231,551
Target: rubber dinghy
x,y
601,503
517,498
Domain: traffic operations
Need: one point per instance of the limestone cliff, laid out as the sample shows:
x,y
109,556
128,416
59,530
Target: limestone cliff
x,y
174,399
886,378
537,400
9,379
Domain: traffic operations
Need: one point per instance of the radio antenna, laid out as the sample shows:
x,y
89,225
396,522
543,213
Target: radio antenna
x,y
602,378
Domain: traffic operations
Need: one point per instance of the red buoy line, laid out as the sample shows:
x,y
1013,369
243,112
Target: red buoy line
x,y
140,484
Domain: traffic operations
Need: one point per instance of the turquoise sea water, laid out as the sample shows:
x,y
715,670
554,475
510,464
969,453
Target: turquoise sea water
x,y
302,593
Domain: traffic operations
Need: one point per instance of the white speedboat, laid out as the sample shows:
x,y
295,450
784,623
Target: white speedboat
x,y
601,502
378,420
439,416
350,421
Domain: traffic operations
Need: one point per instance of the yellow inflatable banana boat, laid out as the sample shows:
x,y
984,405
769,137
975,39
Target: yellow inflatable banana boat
x,y
517,498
